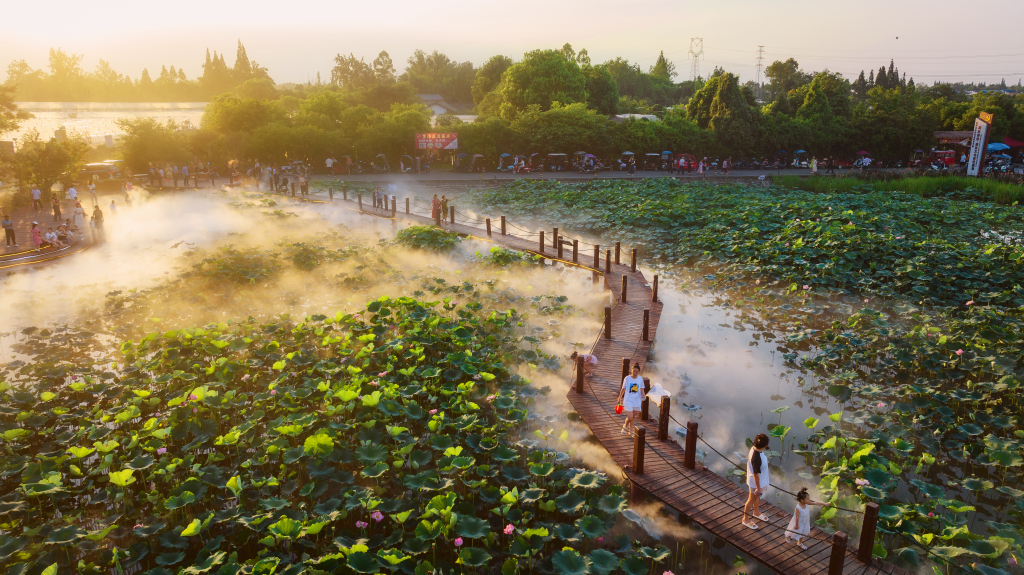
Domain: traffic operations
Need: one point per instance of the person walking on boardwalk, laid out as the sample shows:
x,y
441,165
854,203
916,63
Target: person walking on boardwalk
x,y
55,204
444,209
79,215
800,525
757,481
589,361
631,397
8,226
435,210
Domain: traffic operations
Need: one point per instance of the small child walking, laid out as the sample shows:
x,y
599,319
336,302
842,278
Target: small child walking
x,y
800,525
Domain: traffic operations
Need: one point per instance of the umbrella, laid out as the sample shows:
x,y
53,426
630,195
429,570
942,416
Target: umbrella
x,y
781,152
590,156
627,153
863,153
997,147
1002,156
667,152
462,155
505,155
800,152
919,151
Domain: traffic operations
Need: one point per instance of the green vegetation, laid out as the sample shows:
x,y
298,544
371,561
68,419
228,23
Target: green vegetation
x,y
928,377
945,186
429,238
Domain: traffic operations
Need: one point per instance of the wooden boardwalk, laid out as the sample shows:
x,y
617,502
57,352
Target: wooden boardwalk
x,y
707,498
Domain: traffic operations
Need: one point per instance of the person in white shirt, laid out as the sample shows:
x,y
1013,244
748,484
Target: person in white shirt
x,y
329,163
72,194
113,208
631,397
589,361
757,481
36,202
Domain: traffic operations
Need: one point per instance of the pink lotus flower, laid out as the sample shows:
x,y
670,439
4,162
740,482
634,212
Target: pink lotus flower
x,y
374,383
970,302
377,516
807,287
294,374
433,411
959,352
491,397
850,224
161,451
758,282
458,542
194,410
865,301
192,396
245,377
362,524
152,486
881,405
787,244
273,392
668,573
509,529
358,315
862,482
599,539
382,374
477,377
137,525
899,237
931,515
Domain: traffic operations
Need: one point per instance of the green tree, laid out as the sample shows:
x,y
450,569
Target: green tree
x,y
563,128
384,68
488,77
44,163
602,91
261,88
721,107
785,76
10,115
435,73
243,68
147,140
228,114
348,72
542,78
662,68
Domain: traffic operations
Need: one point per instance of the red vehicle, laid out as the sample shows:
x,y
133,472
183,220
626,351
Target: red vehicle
x,y
946,157
689,159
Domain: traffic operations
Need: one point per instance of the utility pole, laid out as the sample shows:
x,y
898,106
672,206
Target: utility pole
x,y
696,52
760,68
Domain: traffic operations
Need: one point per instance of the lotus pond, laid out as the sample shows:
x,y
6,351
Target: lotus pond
x,y
877,337
326,400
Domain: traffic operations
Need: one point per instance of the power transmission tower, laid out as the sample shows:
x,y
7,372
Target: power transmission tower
x,y
696,51
760,68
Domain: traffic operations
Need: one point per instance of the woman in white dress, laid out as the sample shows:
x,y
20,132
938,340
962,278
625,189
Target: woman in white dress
x,y
800,525
79,215
757,481
814,166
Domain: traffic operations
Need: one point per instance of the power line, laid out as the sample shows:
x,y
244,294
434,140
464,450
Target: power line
x,y
696,51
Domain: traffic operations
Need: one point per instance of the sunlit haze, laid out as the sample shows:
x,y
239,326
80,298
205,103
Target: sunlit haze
x,y
937,40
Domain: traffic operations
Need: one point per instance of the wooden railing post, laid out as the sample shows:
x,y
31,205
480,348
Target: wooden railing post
x,y
502,225
597,257
607,262
344,193
407,206
293,189
607,323
488,222
558,241
554,237
647,325
579,374
575,251
632,260
690,455
867,533
654,294
452,218
542,241
330,193
394,207
625,369
663,418
639,442
618,252
359,196
622,298
645,407
838,557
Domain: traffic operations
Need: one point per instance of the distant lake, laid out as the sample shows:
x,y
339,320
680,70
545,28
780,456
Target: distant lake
x,y
96,120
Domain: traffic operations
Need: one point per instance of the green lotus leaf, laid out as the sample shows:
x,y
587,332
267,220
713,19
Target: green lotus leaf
x,y
266,566
971,429
206,564
178,501
170,558
362,562
531,495
504,453
318,445
591,526
416,546
472,527
515,474
503,402
569,562
634,565
441,442
286,528
570,502
542,469
141,462
566,532
612,504
375,470
588,480
192,528
273,503
66,535
428,529
975,484
474,556
603,561
372,453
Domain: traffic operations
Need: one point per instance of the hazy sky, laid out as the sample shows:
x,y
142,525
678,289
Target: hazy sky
x,y
930,40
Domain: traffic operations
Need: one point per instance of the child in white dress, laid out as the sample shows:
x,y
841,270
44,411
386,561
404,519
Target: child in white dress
x,y
800,525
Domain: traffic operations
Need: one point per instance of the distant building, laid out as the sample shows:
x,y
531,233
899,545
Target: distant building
x,y
954,138
619,118
436,104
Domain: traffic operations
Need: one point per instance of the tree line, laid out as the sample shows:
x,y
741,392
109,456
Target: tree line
x,y
558,100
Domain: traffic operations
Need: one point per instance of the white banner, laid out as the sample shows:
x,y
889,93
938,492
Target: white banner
x,y
978,144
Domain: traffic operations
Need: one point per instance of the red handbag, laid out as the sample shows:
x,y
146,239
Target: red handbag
x,y
618,409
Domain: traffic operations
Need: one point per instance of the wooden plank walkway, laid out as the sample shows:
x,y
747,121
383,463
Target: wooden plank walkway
x,y
711,500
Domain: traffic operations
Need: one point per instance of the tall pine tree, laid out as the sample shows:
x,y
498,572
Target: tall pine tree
x,y
882,79
243,69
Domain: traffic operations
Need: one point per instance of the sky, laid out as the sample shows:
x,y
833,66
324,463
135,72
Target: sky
x,y
934,40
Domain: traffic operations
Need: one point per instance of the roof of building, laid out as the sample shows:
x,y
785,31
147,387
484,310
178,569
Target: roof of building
x,y
429,97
